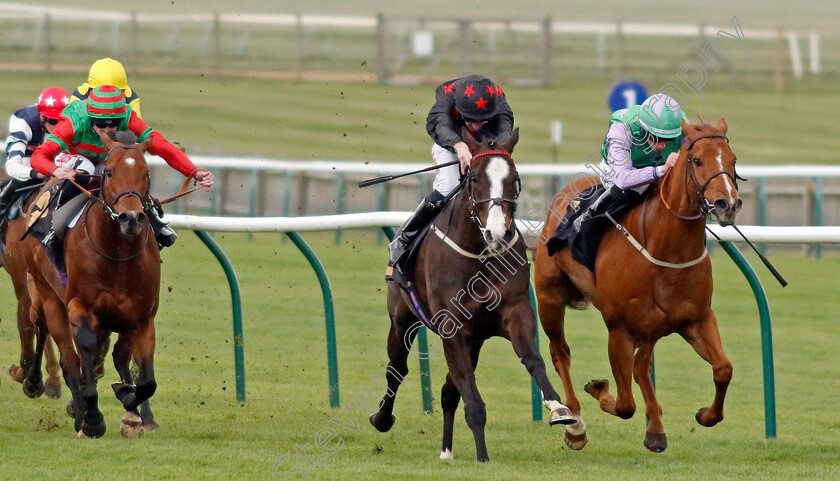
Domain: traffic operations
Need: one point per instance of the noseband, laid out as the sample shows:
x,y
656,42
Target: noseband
x,y
500,201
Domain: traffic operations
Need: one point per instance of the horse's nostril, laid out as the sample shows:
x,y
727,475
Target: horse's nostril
x,y
721,204
141,217
738,204
122,218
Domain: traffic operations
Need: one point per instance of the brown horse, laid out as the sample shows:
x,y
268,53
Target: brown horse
x,y
113,283
32,327
471,272
640,301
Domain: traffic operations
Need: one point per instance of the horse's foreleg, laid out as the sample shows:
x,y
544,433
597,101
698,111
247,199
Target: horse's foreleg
x,y
620,347
704,337
26,331
143,349
458,358
399,342
33,384
93,425
520,328
655,439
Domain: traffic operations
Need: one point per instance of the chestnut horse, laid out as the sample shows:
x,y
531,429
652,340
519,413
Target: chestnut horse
x,y
32,327
640,301
472,273
113,284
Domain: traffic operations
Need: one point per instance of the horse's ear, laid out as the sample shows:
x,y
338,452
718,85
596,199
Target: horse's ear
x,y
146,144
721,125
686,127
514,138
106,139
468,139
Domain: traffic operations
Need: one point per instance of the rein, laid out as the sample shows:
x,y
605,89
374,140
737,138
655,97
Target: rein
x,y
106,256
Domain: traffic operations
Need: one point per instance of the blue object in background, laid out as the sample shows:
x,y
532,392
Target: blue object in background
x,y
626,93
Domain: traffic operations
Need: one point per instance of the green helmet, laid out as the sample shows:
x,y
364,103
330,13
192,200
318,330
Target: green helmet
x,y
661,116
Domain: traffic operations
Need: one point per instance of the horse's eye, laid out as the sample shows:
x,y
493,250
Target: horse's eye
x,y
108,173
697,162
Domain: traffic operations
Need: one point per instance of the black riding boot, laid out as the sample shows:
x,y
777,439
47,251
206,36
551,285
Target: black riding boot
x,y
164,234
7,195
425,212
53,239
597,208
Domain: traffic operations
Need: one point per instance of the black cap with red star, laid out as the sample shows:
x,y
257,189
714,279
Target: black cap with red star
x,y
476,97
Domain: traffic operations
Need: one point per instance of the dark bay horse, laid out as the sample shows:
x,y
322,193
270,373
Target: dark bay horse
x,y
640,301
32,327
113,283
472,275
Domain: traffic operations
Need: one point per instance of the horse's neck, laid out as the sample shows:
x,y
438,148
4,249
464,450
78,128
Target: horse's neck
x,y
459,226
667,236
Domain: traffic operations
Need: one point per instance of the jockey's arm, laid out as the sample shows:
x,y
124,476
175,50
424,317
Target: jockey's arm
x,y
173,156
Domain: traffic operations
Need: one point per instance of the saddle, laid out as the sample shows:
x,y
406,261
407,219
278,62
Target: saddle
x,y
584,243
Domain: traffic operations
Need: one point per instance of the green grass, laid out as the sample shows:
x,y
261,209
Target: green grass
x,y
206,434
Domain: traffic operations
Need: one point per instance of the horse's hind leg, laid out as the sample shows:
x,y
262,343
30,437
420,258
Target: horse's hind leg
x,y
458,359
449,400
705,339
399,342
53,386
655,439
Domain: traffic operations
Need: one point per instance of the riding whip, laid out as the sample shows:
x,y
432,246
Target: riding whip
x,y
388,178
772,269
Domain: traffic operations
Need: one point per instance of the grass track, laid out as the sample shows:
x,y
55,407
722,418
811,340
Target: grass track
x,y
206,435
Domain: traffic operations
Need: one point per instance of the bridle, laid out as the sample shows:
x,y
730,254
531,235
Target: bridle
x,y
500,201
706,207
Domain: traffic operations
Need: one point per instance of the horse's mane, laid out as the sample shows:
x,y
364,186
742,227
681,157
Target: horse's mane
x,y
126,137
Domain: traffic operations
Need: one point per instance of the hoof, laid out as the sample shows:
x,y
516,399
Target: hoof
x,y
16,372
53,388
656,443
93,430
561,415
33,390
131,426
575,441
702,417
596,386
382,423
575,434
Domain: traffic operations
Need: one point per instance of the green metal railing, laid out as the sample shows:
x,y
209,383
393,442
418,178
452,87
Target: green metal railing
x,y
422,336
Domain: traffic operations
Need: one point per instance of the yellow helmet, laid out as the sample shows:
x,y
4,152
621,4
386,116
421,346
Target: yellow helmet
x,y
107,71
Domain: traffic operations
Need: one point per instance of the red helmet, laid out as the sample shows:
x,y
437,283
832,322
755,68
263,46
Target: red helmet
x,y
477,98
52,101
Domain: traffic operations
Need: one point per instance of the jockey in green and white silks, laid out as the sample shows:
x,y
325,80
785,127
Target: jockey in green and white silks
x,y
641,145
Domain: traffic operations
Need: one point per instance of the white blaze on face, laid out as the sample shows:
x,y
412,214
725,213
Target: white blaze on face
x,y
497,171
129,161
730,189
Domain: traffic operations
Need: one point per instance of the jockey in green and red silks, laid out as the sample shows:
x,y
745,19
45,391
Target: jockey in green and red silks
x,y
77,133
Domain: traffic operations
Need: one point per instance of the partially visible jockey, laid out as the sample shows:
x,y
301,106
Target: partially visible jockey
x,y
27,129
476,103
107,71
641,145
78,132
